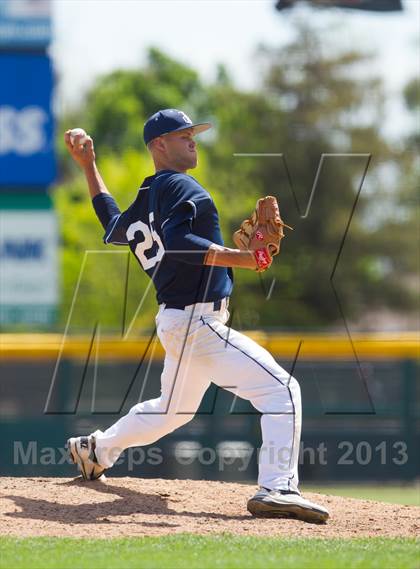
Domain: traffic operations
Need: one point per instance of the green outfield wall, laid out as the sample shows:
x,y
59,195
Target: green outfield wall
x,y
361,407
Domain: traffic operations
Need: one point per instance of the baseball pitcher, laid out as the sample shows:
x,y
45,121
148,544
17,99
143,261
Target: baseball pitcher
x,y
172,228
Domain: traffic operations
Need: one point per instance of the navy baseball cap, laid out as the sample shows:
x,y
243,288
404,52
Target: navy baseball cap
x,y
170,120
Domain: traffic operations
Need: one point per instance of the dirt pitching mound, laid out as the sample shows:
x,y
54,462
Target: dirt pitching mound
x,y
123,507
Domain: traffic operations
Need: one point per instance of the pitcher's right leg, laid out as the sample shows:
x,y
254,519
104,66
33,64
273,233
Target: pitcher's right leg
x,y
146,422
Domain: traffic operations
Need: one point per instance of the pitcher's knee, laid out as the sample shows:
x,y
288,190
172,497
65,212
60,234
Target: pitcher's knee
x,y
148,407
278,398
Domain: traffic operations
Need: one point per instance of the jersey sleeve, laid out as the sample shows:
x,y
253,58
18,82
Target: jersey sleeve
x,y
115,232
111,218
105,208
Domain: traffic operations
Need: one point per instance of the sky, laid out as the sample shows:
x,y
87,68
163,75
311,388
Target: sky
x,y
93,37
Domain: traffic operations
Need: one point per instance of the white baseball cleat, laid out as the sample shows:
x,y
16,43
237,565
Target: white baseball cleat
x,y
281,504
82,453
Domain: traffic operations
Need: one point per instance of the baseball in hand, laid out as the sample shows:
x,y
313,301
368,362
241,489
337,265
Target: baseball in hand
x,y
78,132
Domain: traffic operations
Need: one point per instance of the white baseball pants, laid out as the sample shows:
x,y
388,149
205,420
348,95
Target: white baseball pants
x,y
200,349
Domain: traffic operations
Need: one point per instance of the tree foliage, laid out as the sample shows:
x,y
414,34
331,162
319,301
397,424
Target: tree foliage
x,y
342,257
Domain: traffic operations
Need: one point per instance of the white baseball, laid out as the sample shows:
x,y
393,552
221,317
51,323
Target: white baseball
x,y
76,132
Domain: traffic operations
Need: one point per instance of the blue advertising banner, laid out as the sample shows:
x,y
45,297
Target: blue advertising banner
x,y
25,23
27,155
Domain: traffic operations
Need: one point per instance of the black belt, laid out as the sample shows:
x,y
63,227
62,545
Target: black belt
x,y
217,305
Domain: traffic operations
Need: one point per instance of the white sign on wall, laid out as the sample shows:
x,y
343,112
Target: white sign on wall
x,y
28,266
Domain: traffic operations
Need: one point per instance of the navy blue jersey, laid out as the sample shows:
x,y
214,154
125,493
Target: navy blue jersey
x,y
169,228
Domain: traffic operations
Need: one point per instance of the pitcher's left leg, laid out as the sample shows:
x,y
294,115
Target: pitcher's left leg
x,y
281,424
248,370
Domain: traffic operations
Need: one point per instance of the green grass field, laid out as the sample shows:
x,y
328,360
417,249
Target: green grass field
x,y
225,551
408,495
201,552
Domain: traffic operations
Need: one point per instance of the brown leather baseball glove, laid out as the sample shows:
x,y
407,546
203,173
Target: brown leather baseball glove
x,y
262,232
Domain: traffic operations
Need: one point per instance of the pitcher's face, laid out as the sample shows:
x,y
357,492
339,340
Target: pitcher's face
x,y
180,149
